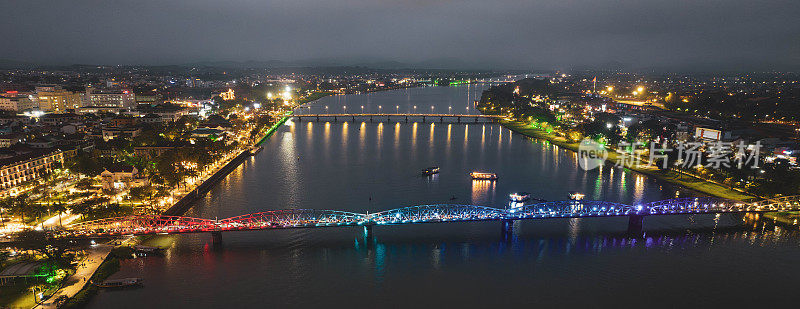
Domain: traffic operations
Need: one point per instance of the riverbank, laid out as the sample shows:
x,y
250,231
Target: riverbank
x,y
785,217
87,270
186,201
107,265
682,179
274,127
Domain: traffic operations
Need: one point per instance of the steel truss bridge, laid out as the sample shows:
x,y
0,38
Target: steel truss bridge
x,y
437,213
384,117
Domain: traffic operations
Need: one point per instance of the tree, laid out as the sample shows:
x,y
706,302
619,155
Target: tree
x,y
5,205
37,210
59,208
43,242
84,184
22,205
86,164
83,208
115,208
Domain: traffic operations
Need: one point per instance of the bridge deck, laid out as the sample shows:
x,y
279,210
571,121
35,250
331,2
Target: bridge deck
x,y
438,213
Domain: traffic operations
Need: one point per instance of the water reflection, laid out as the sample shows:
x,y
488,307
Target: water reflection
x,y
482,192
309,168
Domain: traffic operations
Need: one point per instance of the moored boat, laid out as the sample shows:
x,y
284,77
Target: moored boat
x,y
255,150
146,249
119,283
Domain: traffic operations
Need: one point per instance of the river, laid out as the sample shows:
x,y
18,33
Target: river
x,y
702,260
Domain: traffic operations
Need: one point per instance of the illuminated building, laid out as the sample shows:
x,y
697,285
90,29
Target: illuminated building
x,y
13,101
120,177
228,95
53,98
23,167
109,98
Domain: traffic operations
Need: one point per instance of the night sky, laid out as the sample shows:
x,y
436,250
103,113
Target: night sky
x,y
733,34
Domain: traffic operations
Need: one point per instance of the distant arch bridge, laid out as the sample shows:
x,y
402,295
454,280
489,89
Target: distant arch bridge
x,y
399,117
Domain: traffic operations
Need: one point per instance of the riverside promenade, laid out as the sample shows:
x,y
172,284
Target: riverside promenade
x,y
80,279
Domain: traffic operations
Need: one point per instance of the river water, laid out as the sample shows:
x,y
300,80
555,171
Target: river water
x,y
695,261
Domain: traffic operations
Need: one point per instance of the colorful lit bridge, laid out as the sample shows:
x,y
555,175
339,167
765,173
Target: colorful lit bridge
x,y
383,117
437,213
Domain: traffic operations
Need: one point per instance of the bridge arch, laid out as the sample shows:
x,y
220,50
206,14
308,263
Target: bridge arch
x,y
285,218
436,213
560,209
141,225
693,205
783,203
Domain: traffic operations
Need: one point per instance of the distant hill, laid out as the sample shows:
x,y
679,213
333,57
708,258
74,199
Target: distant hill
x,y
239,64
6,64
365,62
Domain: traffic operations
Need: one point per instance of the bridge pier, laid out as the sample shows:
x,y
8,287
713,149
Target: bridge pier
x,y
216,238
441,119
423,119
406,119
507,228
635,224
368,232
459,119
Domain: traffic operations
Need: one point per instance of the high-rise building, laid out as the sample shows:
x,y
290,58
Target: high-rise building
x,y
17,102
54,98
116,98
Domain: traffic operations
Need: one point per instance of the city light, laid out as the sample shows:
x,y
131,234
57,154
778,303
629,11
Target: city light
x,y
137,138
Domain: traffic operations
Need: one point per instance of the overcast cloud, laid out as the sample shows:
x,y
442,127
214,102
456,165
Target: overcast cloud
x,y
499,33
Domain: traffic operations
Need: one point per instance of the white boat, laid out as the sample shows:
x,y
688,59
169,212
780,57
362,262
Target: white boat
x,y
483,176
519,197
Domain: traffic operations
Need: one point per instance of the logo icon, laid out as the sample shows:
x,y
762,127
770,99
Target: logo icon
x,y
591,154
